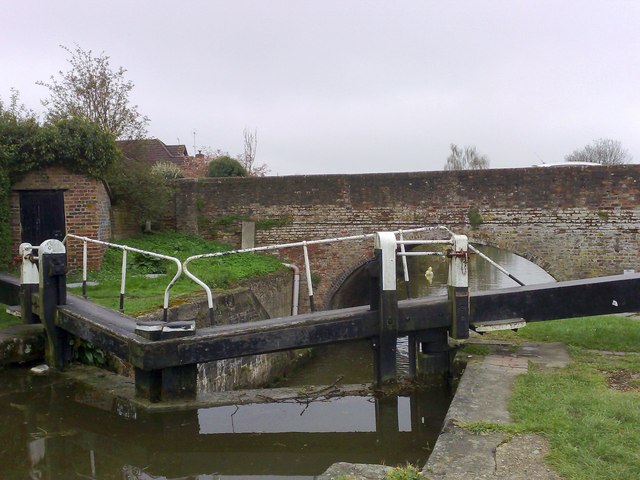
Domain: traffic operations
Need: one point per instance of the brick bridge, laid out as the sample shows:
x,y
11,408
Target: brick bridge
x,y
574,222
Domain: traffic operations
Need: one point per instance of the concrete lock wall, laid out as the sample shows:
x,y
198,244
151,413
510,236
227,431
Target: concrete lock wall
x,y
257,299
575,222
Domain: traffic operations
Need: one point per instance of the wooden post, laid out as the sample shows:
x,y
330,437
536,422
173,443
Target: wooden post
x,y
458,287
149,382
179,383
385,346
52,260
434,363
173,383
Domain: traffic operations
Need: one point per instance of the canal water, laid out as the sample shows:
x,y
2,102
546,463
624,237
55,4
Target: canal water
x,y
51,428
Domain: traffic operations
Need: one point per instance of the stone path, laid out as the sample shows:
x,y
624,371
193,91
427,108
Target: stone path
x,y
483,396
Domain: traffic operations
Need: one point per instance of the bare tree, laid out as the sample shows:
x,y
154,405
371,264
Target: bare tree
x,y
90,89
466,159
248,157
15,108
604,151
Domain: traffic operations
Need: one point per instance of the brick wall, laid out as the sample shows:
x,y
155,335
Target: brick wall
x,y
86,205
574,222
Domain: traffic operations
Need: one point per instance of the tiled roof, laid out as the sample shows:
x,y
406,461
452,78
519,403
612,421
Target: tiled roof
x,y
153,151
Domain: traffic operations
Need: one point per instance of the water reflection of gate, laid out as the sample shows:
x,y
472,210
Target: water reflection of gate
x,y
57,439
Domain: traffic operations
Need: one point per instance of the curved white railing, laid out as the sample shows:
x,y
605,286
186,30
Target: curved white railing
x,y
125,249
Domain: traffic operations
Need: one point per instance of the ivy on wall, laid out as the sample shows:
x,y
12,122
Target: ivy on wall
x,y
27,145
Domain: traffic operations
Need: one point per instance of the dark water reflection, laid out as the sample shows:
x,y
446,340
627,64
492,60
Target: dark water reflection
x,y
52,429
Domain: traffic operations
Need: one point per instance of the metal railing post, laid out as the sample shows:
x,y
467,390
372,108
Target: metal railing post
x,y
123,279
405,266
305,244
307,269
296,288
84,268
124,248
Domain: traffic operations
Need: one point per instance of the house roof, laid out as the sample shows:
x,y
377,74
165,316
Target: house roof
x,y
152,151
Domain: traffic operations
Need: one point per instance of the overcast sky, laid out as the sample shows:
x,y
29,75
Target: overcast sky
x,y
353,86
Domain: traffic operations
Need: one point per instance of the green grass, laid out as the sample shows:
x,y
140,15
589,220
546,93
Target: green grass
x,y
144,294
7,319
593,430
605,332
408,472
475,349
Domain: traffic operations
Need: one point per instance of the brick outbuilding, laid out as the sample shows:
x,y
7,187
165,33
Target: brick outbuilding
x,y
53,202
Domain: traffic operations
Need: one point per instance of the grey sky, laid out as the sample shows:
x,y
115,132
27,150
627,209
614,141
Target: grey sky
x,y
353,86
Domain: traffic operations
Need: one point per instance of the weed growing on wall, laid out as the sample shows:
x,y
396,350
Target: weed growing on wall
x,y
475,218
269,223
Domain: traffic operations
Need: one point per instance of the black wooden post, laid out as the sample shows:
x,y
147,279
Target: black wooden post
x,y
29,283
173,383
52,260
385,346
149,382
179,383
434,364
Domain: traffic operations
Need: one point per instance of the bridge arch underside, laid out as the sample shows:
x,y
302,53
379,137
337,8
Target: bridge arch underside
x,y
563,255
353,291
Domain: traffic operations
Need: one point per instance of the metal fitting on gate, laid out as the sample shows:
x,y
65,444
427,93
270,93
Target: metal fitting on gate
x,y
464,254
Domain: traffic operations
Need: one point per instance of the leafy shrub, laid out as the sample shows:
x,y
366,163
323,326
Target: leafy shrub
x,y
226,167
167,170
145,195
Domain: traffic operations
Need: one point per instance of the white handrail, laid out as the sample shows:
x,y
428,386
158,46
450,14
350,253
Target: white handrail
x,y
126,249
302,244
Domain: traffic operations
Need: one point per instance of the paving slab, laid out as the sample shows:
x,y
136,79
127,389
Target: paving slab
x,y
354,470
548,355
461,454
484,390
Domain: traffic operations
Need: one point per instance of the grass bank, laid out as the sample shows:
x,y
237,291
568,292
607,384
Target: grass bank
x,y
589,411
6,319
144,294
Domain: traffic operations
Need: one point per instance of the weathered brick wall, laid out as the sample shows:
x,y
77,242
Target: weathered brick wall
x,y
574,222
126,223
86,205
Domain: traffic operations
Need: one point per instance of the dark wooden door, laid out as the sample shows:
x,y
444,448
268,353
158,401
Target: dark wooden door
x,y
42,215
